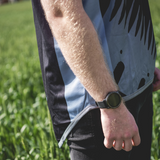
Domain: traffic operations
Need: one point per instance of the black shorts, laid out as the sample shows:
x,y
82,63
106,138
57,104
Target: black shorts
x,y
86,139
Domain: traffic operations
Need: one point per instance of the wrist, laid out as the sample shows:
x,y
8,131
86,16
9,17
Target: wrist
x,y
121,110
111,101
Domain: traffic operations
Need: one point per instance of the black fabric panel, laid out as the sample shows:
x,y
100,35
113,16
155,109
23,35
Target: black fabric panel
x,y
104,6
52,78
118,71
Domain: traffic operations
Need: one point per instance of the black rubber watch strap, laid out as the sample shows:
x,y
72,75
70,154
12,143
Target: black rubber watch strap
x,y
102,104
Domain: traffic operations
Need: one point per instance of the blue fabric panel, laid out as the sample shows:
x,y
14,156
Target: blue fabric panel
x,y
131,43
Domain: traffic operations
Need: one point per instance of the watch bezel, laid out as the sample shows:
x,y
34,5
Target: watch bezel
x,y
109,95
105,103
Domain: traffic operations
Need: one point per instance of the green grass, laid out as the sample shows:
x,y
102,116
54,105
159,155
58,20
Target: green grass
x,y
26,131
25,126
155,13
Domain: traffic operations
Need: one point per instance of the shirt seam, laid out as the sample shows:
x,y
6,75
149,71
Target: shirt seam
x,y
74,122
139,91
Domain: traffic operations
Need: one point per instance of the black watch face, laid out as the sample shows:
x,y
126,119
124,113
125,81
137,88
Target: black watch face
x,y
114,100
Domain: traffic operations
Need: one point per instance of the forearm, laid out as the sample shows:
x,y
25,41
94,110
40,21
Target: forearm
x,y
80,45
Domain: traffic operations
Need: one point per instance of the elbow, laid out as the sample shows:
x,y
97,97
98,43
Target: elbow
x,y
54,14
57,12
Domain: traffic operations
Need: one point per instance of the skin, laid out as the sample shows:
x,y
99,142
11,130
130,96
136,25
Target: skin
x,y
156,82
81,48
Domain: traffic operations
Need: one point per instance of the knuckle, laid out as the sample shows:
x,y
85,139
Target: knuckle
x,y
136,130
110,137
127,135
107,143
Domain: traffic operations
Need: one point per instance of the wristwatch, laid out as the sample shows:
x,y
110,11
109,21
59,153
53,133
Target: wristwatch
x,y
112,101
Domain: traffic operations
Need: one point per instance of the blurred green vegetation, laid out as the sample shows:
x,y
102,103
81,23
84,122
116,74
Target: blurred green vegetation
x,y
26,131
25,127
155,14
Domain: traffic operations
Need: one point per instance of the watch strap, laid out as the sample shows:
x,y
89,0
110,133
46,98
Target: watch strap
x,y
104,104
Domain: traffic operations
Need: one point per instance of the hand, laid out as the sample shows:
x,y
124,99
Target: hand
x,y
119,128
156,82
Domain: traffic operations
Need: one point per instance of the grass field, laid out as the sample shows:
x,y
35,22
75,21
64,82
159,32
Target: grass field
x,y
25,127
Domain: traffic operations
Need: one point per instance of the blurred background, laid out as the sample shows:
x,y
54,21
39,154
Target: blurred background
x,y
8,1
26,131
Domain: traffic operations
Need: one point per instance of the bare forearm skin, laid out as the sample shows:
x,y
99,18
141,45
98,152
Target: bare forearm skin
x,y
80,45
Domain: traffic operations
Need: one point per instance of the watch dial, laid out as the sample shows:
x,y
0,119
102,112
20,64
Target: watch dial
x,y
114,100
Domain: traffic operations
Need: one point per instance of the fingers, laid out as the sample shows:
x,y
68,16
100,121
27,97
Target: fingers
x,y
126,145
136,140
129,143
108,143
118,145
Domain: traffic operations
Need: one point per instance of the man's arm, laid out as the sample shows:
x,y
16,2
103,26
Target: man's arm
x,y
80,45
81,48
156,82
